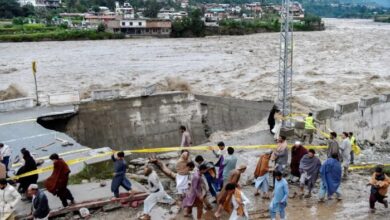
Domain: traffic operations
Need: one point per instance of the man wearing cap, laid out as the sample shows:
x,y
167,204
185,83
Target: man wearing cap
x,y
40,204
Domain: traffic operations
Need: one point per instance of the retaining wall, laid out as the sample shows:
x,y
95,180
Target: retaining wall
x,y
368,118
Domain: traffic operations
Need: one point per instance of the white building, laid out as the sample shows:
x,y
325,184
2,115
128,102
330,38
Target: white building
x,y
126,10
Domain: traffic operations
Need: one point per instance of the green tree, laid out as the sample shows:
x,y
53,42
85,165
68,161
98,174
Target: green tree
x,y
151,9
28,10
9,9
101,28
96,8
191,26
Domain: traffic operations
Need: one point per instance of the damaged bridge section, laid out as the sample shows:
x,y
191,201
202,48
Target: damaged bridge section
x,y
153,121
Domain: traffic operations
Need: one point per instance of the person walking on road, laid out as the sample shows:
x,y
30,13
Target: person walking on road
x,y
120,178
57,183
156,192
279,200
330,172
29,165
185,137
297,152
261,175
379,183
310,128
346,149
333,146
309,168
5,155
9,198
40,204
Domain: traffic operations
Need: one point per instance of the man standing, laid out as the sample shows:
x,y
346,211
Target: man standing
x,y
379,185
262,175
156,191
330,178
185,137
58,181
309,168
279,201
40,204
120,178
354,146
239,204
9,197
310,128
5,154
346,149
271,119
280,156
29,165
297,152
210,175
229,164
195,196
183,173
235,175
333,146
220,154
234,178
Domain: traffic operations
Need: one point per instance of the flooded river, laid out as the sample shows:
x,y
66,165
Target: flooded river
x,y
348,60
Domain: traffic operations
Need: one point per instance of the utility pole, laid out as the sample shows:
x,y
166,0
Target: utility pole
x,y
285,62
34,70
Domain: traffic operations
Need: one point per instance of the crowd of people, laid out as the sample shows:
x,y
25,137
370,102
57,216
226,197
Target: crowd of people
x,y
199,181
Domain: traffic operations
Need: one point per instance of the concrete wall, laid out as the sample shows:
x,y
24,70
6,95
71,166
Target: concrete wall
x,y
15,104
369,118
227,114
153,121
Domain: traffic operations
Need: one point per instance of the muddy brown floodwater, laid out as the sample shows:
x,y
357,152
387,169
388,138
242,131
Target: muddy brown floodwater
x,y
346,61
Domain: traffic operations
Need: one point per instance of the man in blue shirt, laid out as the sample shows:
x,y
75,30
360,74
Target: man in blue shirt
x,y
120,178
279,201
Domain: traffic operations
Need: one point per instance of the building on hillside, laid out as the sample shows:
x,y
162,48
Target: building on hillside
x,y
141,27
126,10
92,21
171,14
215,14
297,10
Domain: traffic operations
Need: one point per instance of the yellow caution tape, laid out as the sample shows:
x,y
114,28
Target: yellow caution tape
x,y
368,166
69,162
149,150
61,154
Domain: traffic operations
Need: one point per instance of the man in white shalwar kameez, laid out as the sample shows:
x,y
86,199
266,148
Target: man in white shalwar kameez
x,y
240,203
156,191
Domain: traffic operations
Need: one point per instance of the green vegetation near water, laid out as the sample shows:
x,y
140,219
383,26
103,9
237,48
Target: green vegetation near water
x,y
41,32
383,18
234,27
